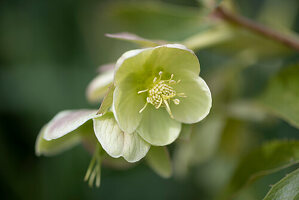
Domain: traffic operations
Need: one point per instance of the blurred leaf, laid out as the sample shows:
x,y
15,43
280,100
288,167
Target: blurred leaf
x,y
107,101
186,132
286,189
266,159
130,37
259,46
209,37
236,139
157,19
159,160
246,110
202,145
279,14
210,4
282,95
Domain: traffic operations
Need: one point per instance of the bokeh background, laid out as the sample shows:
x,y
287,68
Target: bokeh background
x,y
51,49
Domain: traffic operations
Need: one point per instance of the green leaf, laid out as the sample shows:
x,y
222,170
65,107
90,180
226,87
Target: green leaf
x,y
130,37
286,189
264,160
282,95
107,101
159,160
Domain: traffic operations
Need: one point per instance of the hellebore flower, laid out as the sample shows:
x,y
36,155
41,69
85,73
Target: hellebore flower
x,y
68,128
156,90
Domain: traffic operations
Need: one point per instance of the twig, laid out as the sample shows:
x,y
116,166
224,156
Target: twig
x,y
257,28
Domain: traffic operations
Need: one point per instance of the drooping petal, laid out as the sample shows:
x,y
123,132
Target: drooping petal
x,y
98,87
126,105
159,160
53,147
197,103
157,128
117,143
66,122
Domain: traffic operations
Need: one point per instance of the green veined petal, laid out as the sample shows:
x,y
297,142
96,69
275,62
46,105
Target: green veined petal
x,y
117,143
66,122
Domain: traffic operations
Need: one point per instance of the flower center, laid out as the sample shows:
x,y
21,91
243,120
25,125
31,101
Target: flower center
x,y
160,94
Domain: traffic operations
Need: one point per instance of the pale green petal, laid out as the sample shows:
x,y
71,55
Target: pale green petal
x,y
174,59
146,63
157,128
130,63
197,103
117,143
159,160
49,148
126,106
98,87
66,122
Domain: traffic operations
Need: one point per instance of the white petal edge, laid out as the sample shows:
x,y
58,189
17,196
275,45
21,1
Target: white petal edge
x,y
117,143
67,121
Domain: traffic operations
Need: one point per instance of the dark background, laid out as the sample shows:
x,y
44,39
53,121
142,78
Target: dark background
x,y
49,51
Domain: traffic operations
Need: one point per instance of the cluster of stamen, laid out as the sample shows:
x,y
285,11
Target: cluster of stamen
x,y
161,93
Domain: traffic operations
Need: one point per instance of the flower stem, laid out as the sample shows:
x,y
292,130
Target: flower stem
x,y
260,29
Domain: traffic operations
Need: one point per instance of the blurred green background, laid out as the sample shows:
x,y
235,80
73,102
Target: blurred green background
x,y
51,49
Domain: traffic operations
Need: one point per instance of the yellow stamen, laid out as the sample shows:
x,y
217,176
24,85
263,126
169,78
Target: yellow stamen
x,y
161,92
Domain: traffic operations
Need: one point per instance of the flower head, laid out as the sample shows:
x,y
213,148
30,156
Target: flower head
x,y
157,89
